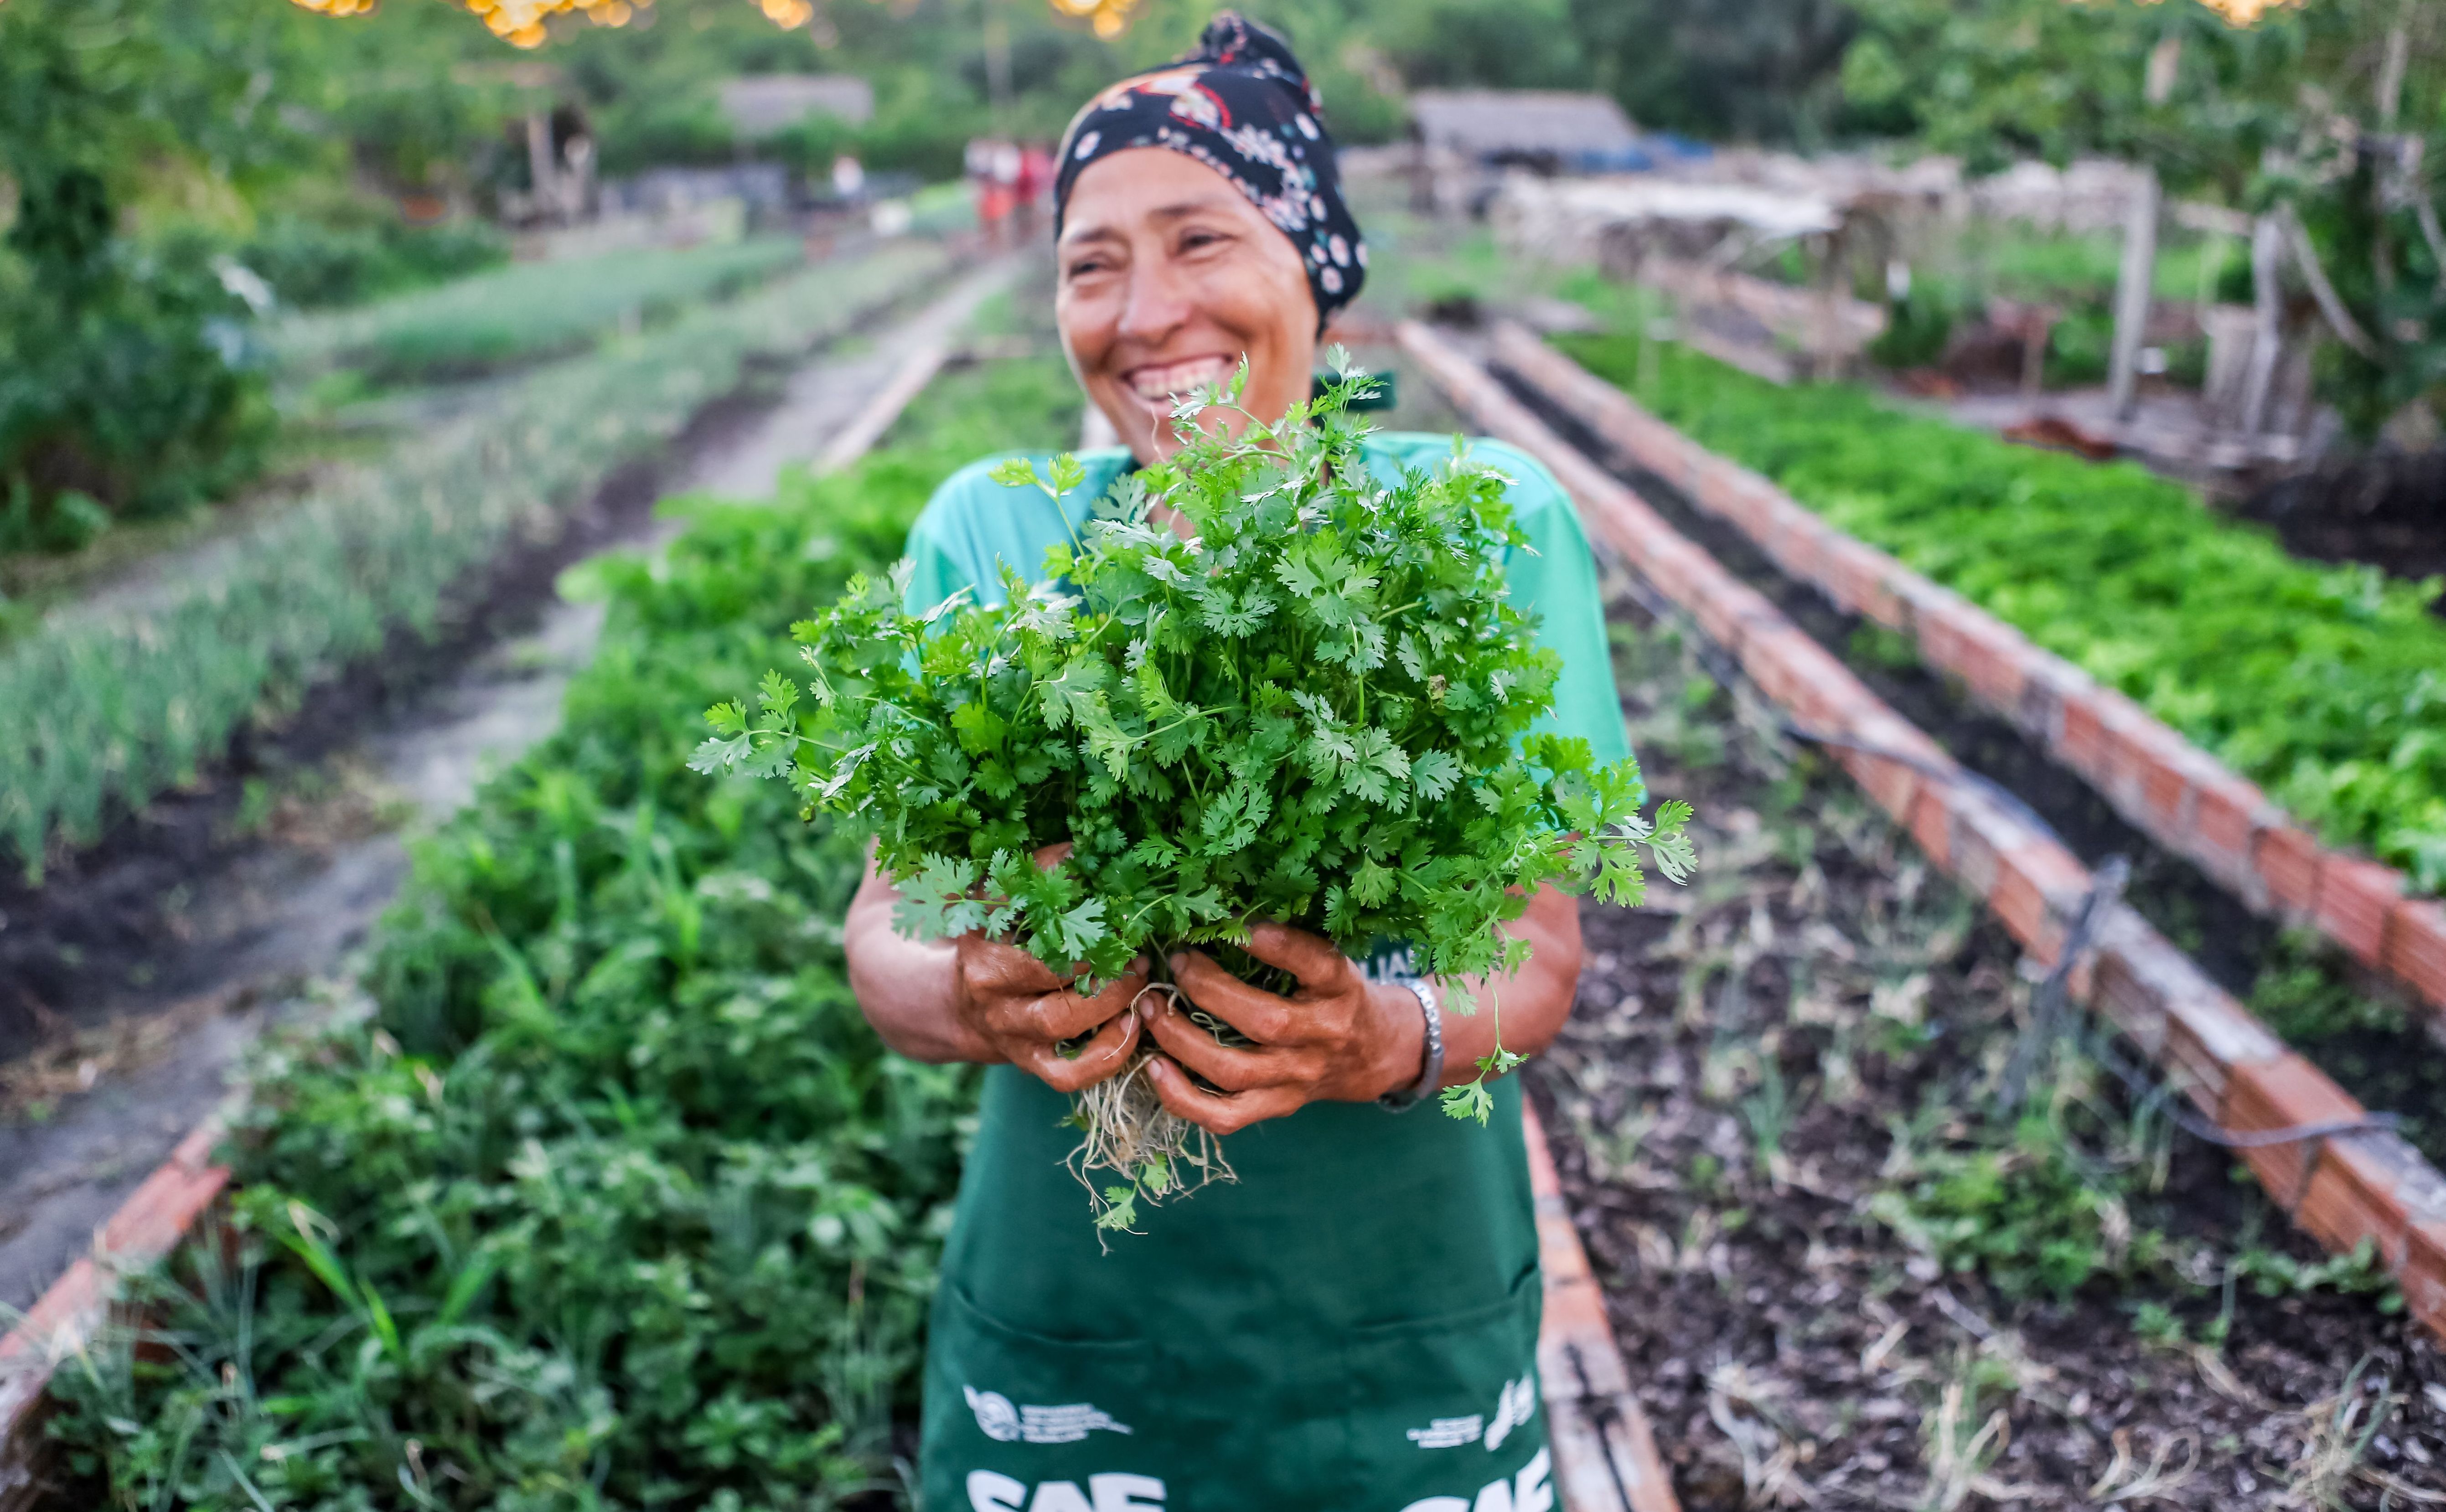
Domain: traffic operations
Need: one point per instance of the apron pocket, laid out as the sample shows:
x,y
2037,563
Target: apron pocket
x,y
1016,1420
1443,1408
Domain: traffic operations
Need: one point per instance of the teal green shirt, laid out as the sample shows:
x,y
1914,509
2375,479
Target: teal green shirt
x,y
973,525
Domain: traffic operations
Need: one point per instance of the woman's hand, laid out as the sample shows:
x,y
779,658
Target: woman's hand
x,y
1343,1038
1339,1038
971,999
1017,1010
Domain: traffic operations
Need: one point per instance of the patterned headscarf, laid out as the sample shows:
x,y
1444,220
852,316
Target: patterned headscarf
x,y
1241,104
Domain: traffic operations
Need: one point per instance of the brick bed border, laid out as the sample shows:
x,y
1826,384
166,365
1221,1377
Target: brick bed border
x,y
70,1315
1605,1456
2169,788
2341,1189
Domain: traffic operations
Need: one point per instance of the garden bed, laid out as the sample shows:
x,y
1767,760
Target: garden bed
x,y
1830,1270
2315,683
523,312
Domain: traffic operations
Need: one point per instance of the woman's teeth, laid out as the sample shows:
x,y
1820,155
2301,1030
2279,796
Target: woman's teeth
x,y
1171,379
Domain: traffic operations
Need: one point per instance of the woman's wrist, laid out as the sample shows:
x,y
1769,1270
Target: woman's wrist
x,y
1399,1042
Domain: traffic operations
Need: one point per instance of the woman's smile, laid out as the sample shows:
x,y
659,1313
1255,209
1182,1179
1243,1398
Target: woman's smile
x,y
1161,384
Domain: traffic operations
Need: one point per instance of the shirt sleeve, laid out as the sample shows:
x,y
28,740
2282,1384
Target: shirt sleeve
x,y
1555,579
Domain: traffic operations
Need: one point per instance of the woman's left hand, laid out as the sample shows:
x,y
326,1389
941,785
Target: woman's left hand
x,y
1339,1038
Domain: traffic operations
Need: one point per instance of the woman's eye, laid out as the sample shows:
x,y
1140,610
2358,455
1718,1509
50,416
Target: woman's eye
x,y
1085,266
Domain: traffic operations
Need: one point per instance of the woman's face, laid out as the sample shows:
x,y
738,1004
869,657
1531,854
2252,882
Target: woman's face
x,y
1168,277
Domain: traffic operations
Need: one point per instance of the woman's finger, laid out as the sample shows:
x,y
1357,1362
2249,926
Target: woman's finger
x,y
1063,1014
1234,1071
1218,1114
1101,1057
1254,1011
1310,958
996,970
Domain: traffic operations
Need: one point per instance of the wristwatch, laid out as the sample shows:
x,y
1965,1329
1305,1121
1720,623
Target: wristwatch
x,y
1432,1075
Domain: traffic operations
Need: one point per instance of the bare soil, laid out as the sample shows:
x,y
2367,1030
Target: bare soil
x,y
1758,1056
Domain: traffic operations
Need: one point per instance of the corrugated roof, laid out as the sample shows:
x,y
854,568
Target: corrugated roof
x,y
1521,122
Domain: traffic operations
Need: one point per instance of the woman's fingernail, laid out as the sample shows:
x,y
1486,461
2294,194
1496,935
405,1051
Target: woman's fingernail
x,y
1179,962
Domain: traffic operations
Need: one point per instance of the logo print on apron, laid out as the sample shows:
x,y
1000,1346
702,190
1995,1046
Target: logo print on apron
x,y
1513,1405
1004,1423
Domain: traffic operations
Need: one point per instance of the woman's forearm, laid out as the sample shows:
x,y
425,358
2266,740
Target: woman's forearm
x,y
1530,1006
907,988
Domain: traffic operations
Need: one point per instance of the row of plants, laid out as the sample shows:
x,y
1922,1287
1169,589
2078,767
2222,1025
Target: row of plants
x,y
610,1197
524,312
102,707
2325,685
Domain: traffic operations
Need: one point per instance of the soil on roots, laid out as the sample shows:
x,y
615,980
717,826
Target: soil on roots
x,y
1757,1059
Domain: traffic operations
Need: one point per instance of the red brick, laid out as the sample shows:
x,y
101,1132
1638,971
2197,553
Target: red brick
x,y
2048,683
2135,746
2130,984
1997,669
2169,788
1856,577
2355,898
2284,1093
2287,859
2081,743
2424,1276
2038,891
1725,608
1890,784
1800,676
159,1213
1747,500
1979,839
1932,825
2227,817
1794,539
2354,1195
2209,1036
2416,948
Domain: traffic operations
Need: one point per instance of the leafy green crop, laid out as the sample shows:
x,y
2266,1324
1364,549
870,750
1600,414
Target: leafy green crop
x,y
1305,711
616,1202
2325,685
522,313
100,708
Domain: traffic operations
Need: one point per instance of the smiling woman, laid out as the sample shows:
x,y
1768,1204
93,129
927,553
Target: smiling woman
x,y
1353,1323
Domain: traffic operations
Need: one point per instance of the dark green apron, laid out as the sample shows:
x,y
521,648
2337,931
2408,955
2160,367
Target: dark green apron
x,y
1351,1327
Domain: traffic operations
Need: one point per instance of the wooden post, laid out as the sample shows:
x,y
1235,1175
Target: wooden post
x,y
2268,328
2132,288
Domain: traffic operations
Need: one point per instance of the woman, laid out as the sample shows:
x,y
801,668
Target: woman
x,y
1352,1324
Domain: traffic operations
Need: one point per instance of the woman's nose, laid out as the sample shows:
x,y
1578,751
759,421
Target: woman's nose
x,y
1155,303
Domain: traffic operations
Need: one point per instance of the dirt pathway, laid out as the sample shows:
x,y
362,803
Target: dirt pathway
x,y
267,930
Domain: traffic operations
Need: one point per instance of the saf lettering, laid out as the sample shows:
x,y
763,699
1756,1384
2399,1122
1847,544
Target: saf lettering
x,y
989,1492
1529,1491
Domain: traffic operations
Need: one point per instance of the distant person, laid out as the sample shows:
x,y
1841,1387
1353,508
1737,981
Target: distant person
x,y
1034,183
849,178
993,179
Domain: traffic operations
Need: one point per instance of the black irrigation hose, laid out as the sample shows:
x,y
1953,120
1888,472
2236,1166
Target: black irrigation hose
x,y
2049,1021
1606,1417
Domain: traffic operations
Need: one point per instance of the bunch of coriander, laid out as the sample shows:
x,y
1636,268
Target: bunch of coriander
x,y
1310,709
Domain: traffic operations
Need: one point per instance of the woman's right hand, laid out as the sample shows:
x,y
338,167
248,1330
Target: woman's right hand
x,y
1018,1011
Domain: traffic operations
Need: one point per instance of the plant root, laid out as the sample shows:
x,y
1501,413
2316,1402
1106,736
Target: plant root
x,y
1128,1132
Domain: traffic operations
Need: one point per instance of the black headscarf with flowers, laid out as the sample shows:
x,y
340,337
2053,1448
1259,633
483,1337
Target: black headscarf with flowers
x,y
1241,104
